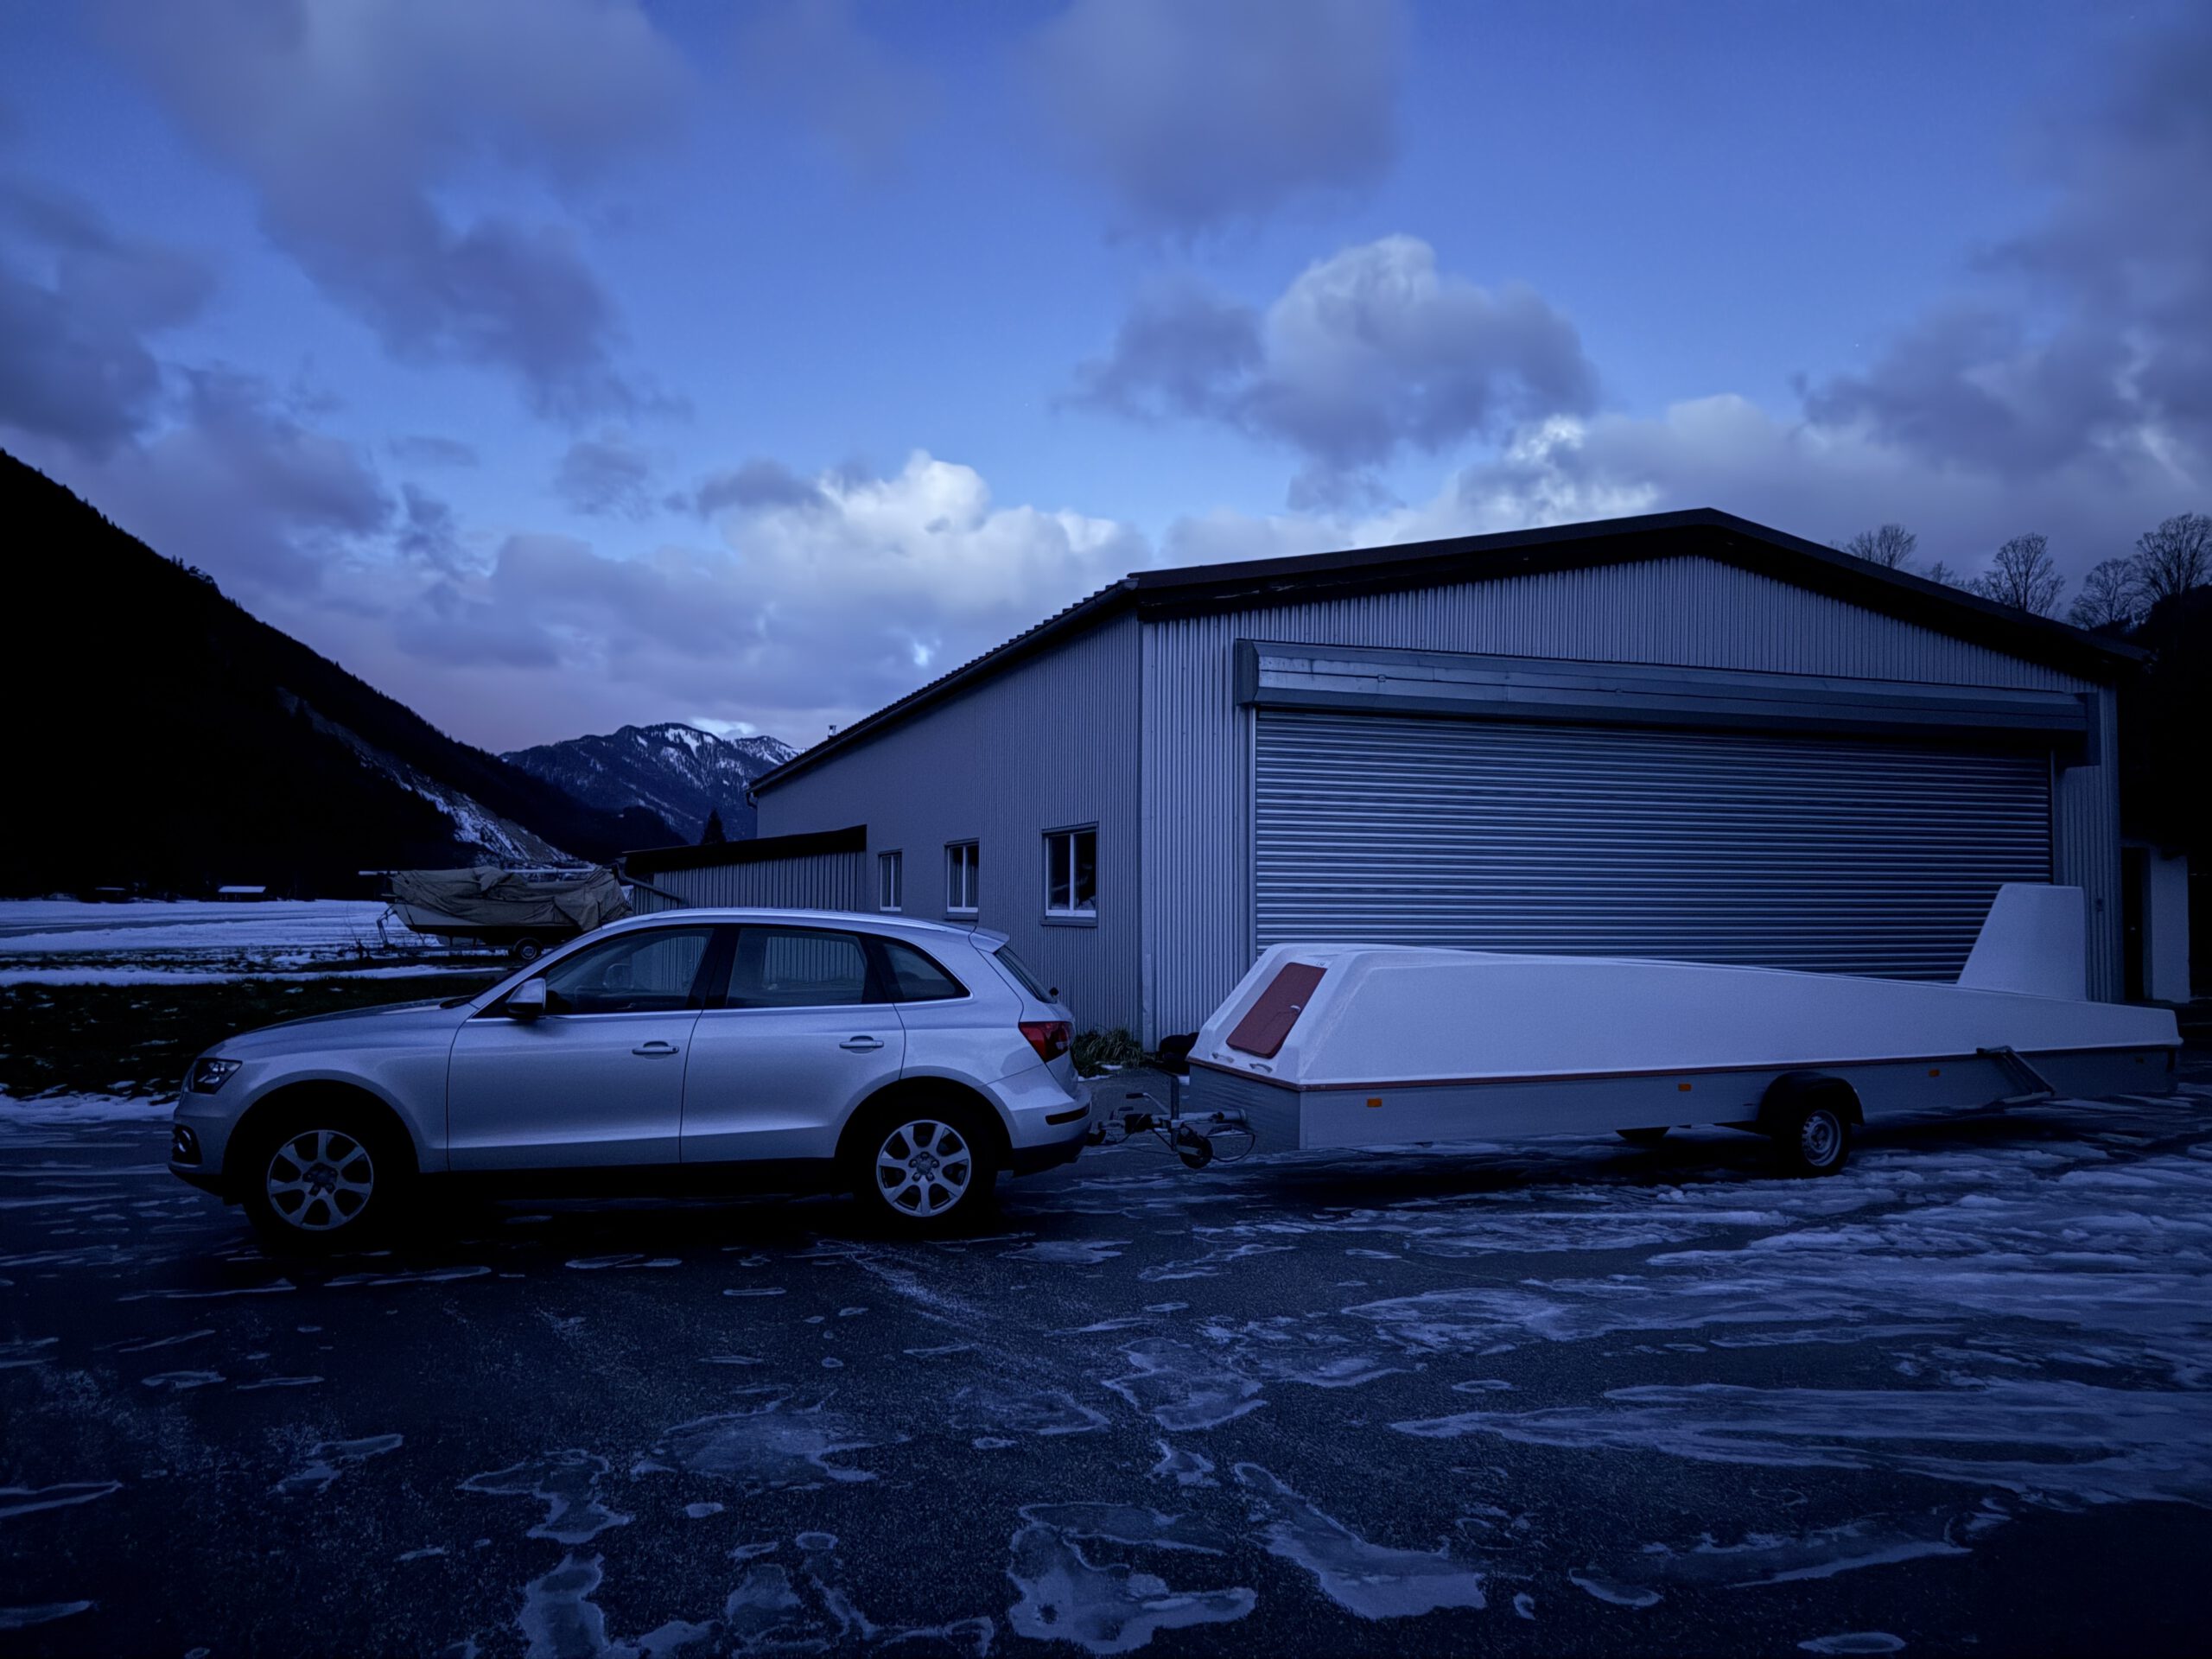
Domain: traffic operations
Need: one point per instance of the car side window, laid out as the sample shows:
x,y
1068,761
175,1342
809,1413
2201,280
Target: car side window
x,y
648,972
798,968
915,978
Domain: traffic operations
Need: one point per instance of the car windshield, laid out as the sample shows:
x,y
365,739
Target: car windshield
x,y
1020,969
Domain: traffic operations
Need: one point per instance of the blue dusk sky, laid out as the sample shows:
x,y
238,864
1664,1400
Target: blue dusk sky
x,y
553,364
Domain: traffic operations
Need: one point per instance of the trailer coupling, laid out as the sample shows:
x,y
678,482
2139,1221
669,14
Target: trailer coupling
x,y
1217,1137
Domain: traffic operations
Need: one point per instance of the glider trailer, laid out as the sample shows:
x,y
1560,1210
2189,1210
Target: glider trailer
x,y
1350,1045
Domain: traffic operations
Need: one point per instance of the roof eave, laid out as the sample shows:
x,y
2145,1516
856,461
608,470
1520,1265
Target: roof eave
x,y
1191,589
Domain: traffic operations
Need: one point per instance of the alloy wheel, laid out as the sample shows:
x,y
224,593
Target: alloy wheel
x,y
320,1179
923,1168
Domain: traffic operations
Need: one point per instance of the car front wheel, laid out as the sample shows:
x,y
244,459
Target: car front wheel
x,y
929,1166
322,1180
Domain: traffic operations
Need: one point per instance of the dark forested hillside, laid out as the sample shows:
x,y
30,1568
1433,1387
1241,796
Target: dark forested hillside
x,y
158,734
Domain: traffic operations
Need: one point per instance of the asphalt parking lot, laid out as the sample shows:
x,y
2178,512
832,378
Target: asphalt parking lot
x,y
1561,1396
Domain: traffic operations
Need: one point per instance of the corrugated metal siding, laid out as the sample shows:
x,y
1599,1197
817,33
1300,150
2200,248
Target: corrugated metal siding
x,y
1051,744
2085,819
1198,926
819,882
1822,854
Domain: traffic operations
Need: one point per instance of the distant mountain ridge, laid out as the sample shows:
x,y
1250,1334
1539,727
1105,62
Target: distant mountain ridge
x,y
159,734
678,772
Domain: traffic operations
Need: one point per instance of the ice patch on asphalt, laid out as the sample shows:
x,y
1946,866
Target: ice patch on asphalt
x,y
1046,1412
1182,1388
1085,1595
774,1445
29,1500
328,1460
567,1484
1069,1252
1855,1642
22,1618
1761,1559
1371,1580
2061,1443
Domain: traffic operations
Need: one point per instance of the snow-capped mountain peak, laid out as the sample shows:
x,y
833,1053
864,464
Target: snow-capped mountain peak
x,y
678,771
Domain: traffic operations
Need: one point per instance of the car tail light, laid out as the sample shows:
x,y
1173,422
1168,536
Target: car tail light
x,y
1049,1038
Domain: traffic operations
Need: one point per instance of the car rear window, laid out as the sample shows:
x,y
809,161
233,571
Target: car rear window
x,y
1020,969
915,978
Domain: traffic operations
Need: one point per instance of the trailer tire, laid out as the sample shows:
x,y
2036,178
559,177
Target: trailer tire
x,y
1644,1138
1810,1120
527,950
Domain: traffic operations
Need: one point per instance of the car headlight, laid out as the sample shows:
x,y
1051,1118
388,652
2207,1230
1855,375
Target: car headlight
x,y
208,1076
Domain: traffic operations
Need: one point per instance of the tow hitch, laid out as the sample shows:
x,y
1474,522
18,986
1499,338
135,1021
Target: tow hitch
x,y
1219,1137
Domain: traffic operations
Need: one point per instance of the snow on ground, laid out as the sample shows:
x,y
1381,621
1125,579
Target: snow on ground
x,y
150,942
83,1108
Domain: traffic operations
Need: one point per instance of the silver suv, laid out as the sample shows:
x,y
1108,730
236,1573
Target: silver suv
x,y
910,1062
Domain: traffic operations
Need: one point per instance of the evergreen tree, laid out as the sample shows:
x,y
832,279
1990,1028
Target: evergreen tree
x,y
713,835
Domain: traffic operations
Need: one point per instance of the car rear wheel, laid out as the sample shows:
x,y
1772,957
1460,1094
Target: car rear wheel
x,y
323,1179
928,1166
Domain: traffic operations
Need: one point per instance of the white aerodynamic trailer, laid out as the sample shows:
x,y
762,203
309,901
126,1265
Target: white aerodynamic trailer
x,y
1359,1046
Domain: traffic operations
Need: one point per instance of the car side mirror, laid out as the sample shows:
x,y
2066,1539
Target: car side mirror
x,y
527,1001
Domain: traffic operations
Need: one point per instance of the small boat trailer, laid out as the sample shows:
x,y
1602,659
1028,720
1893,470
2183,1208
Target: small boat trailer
x,y
1356,1045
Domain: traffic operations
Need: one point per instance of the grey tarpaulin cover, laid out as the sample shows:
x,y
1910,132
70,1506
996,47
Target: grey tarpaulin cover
x,y
490,897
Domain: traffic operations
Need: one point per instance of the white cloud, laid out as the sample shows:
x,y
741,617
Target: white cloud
x,y
818,604
1821,482
1367,353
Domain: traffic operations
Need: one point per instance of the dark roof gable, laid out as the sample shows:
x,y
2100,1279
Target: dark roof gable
x,y
1703,532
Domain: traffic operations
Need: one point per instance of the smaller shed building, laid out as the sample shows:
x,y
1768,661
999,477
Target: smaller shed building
x,y
1682,735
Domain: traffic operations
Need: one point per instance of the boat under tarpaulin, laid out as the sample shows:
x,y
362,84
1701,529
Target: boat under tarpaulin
x,y
503,907
1353,1045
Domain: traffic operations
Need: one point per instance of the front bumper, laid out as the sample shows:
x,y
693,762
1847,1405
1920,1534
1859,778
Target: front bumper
x,y
199,1132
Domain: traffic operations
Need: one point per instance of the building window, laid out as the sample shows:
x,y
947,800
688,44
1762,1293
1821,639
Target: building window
x,y
890,881
962,893
1072,875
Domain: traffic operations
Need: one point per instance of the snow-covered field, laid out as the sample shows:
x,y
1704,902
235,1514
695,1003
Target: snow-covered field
x,y
63,942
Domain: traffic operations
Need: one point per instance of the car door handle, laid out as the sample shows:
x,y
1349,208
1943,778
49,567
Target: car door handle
x,y
654,1048
861,1045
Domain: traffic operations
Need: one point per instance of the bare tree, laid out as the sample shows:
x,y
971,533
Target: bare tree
x,y
1890,546
2175,557
1942,572
2112,593
2022,575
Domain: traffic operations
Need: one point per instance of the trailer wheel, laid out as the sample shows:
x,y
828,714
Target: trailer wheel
x,y
1812,1137
527,950
1645,1138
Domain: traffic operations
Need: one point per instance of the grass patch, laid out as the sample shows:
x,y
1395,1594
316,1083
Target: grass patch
x,y
137,1039
1095,1051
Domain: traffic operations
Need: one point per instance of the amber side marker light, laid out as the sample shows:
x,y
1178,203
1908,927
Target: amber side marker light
x,y
1935,1071
1372,1104
1682,1088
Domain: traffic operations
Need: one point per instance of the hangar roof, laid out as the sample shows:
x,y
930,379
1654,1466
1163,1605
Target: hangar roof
x,y
1706,533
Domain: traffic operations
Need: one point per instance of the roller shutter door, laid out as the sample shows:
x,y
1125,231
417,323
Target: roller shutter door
x,y
1834,855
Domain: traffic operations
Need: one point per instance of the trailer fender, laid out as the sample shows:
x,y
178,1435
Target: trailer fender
x,y
1794,1088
